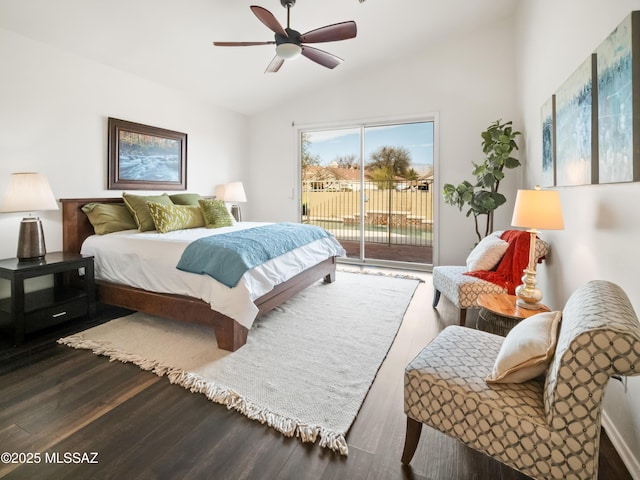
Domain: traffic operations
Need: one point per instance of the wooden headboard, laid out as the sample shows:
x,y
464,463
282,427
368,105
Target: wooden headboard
x,y
75,224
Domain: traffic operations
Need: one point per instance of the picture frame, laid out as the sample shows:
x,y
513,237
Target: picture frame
x,y
142,157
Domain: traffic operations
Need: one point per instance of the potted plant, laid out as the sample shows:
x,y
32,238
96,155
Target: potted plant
x,y
482,198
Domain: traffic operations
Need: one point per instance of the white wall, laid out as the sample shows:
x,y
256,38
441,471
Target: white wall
x,y
470,82
602,225
53,120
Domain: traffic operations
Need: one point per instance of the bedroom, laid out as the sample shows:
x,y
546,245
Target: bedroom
x,y
55,104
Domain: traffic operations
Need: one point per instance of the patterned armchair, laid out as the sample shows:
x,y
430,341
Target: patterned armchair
x,y
463,290
547,430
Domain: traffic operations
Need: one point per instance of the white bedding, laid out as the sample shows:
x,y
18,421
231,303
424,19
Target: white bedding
x,y
148,260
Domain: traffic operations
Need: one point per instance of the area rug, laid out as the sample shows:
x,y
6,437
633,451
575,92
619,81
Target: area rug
x,y
307,365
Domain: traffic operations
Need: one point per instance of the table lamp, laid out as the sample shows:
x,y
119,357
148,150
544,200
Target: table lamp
x,y
535,209
29,192
234,193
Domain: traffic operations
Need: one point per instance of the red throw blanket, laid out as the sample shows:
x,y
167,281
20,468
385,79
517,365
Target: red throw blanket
x,y
508,273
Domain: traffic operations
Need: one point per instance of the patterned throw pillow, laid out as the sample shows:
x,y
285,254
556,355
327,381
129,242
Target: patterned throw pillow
x,y
137,205
215,213
527,350
168,218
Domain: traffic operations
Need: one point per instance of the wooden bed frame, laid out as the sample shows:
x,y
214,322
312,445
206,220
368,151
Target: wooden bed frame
x,y
229,333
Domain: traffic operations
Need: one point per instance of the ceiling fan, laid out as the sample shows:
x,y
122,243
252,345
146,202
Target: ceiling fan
x,y
290,43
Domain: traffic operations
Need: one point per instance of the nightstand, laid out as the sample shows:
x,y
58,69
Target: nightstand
x,y
499,313
71,296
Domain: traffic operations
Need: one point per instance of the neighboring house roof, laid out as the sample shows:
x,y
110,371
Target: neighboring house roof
x,y
322,173
334,173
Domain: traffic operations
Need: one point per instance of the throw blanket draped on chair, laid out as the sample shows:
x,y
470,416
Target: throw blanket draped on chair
x,y
508,273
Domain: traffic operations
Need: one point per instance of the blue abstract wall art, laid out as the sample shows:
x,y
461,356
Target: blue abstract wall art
x,y
548,143
574,127
616,132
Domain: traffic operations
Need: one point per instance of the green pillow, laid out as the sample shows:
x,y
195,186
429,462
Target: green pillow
x,y
185,198
137,205
109,217
215,213
168,218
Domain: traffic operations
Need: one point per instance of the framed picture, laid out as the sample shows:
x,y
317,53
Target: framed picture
x,y
574,126
618,96
141,157
548,114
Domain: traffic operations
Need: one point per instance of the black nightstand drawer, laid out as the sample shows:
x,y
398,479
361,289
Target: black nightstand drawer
x,y
55,314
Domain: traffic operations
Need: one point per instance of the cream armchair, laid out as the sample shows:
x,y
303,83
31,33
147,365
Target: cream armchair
x,y
547,430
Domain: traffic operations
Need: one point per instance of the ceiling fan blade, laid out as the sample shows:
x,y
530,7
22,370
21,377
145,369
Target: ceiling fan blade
x,y
331,33
275,65
241,44
266,17
325,59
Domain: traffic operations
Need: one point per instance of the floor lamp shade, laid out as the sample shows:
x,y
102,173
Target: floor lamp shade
x,y
234,193
29,192
535,209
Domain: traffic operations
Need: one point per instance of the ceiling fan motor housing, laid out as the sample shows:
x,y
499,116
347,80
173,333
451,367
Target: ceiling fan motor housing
x,y
294,37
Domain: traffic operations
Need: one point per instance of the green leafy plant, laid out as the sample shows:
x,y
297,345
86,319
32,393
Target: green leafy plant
x,y
482,198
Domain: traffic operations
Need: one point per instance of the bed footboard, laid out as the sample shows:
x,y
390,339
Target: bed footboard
x,y
230,335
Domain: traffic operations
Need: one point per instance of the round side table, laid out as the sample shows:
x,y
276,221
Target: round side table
x,y
499,313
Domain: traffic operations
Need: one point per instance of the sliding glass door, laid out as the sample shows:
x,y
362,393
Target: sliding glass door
x,y
372,186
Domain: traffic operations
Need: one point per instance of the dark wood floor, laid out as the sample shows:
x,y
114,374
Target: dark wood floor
x,y
55,400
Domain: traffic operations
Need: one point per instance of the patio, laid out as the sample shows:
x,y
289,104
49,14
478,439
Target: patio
x,y
393,252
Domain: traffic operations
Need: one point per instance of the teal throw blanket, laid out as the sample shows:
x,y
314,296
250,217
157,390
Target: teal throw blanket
x,y
226,257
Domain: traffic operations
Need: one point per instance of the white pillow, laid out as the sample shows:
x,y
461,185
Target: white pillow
x,y
527,350
487,254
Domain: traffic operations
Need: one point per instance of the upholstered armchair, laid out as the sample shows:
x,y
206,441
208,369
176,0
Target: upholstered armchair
x,y
547,427
463,290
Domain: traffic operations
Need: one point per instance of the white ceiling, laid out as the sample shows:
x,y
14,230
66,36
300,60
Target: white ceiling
x,y
170,41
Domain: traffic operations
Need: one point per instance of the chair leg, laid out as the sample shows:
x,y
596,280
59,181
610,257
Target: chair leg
x,y
462,316
411,440
436,298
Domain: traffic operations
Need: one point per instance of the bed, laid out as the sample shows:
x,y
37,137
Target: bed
x,y
230,334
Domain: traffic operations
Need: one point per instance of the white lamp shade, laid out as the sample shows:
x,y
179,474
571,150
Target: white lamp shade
x,y
28,192
219,192
539,209
234,192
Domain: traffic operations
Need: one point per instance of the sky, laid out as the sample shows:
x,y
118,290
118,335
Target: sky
x,y
417,138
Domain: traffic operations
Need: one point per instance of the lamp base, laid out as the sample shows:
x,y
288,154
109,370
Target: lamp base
x,y
528,294
237,214
529,306
31,240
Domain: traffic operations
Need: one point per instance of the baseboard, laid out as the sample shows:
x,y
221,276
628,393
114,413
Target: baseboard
x,y
628,458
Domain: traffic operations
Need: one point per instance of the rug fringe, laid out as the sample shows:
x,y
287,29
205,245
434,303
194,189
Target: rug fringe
x,y
289,427
380,273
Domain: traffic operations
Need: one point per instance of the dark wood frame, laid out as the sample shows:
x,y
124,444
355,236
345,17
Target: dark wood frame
x,y
229,333
114,182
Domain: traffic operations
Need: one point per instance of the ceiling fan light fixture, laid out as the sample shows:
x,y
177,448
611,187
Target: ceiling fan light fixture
x,y
288,51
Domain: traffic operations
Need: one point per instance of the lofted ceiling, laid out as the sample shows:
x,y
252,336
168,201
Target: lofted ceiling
x,y
170,41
